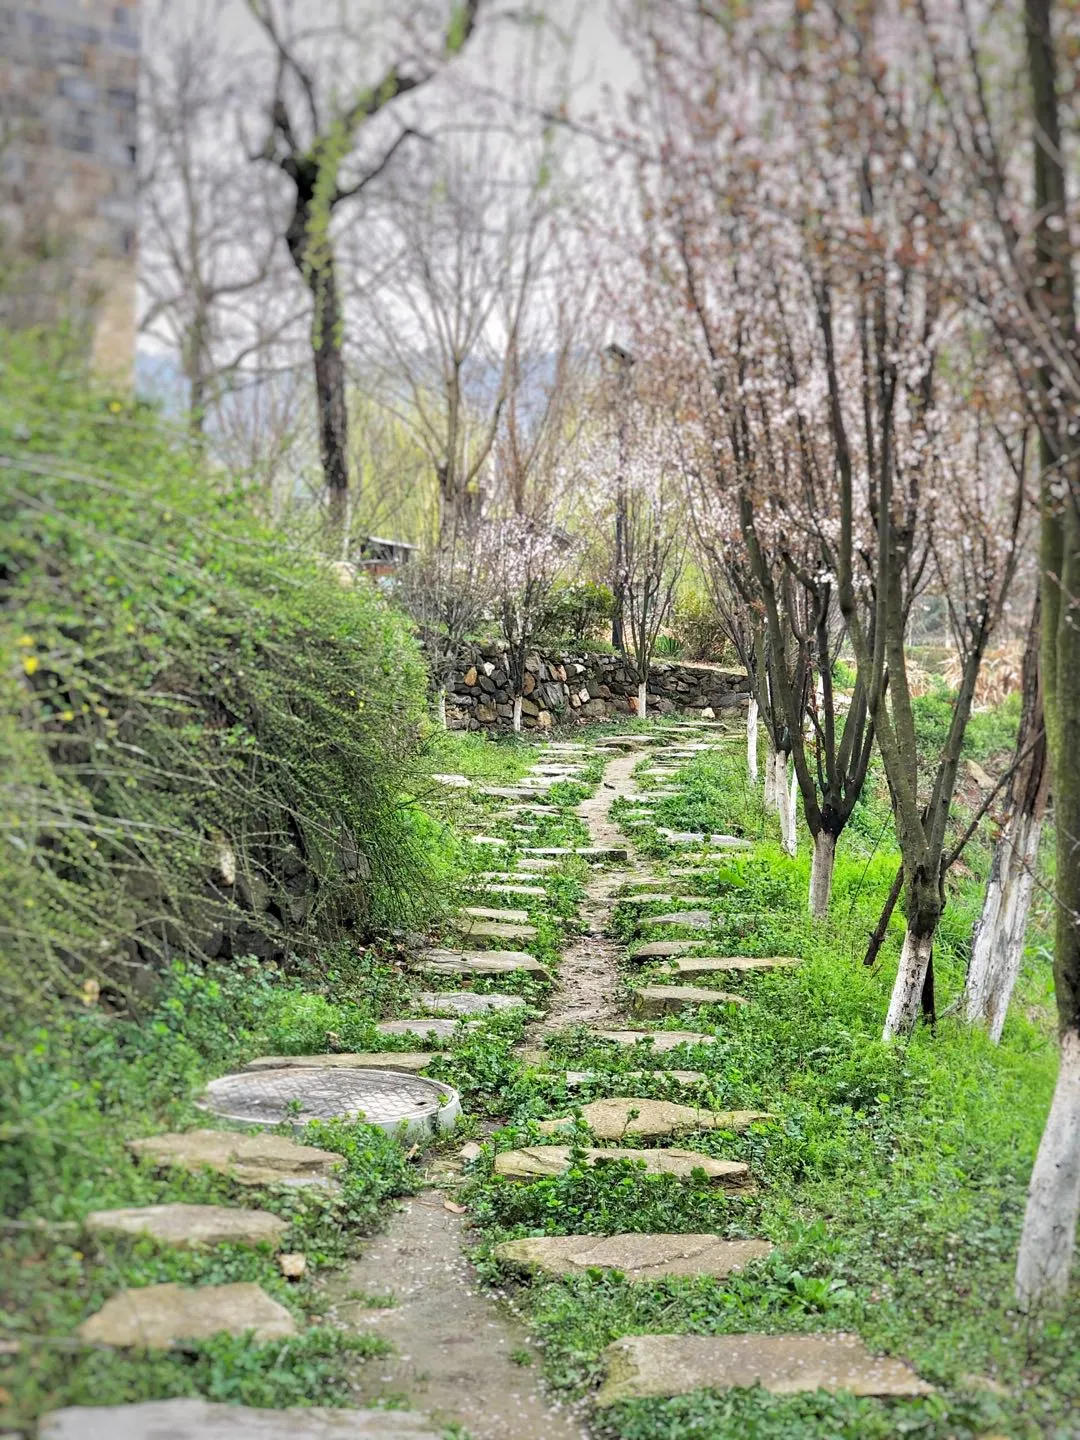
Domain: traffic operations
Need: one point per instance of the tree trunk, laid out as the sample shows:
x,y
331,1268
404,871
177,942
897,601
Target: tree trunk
x,y
998,939
772,755
906,1001
752,739
789,830
821,873
517,715
440,705
1049,1234
642,699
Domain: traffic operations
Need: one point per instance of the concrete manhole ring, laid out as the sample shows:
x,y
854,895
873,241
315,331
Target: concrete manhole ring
x,y
402,1105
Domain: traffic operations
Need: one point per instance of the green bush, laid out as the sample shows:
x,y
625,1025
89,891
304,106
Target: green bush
x,y
207,742
576,614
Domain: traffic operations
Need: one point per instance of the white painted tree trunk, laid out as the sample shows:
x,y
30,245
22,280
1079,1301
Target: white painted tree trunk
x,y
789,832
1049,1234
997,945
751,739
772,799
517,714
440,705
642,699
821,873
906,998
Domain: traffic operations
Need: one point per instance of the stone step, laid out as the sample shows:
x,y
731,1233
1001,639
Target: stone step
x,y
512,810
203,1420
491,912
407,1061
688,919
491,840
527,892
505,792
584,852
493,930
660,899
466,1002
455,782
504,877
247,1159
539,1162
477,962
692,965
662,1040
621,1117
695,837
664,949
183,1226
536,862
670,999
433,1028
156,1317
576,1078
638,1256
642,1366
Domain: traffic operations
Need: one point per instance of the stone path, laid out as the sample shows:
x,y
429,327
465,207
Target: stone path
x,y
456,1357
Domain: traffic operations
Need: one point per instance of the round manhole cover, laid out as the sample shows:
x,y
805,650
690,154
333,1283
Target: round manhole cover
x,y
403,1105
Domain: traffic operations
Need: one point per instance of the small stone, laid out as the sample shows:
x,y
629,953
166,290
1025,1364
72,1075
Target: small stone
x,y
638,1256
248,1159
408,1061
292,1265
621,1117
184,1226
470,1152
478,962
661,1040
640,1366
466,1002
537,1162
670,999
156,1317
204,1420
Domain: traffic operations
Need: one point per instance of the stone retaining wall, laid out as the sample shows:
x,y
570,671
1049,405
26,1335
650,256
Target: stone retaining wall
x,y
562,689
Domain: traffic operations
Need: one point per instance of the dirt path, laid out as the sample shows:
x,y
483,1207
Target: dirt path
x,y
588,977
452,1344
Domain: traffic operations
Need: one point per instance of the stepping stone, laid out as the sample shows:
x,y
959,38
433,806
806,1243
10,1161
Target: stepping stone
x,y
694,837
487,912
486,840
638,1257
399,1104
405,1060
692,919
478,962
505,877
730,964
429,1029
536,862
640,1366
186,1225
466,1002
670,999
620,1117
502,792
584,852
204,1420
248,1159
531,810
663,949
541,1162
156,1317
648,899
455,782
575,1078
493,930
662,1040
531,892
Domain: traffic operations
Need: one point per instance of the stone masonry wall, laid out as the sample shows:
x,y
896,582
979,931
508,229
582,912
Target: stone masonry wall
x,y
68,204
560,689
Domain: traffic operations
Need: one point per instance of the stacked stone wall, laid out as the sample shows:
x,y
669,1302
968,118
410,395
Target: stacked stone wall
x,y
568,689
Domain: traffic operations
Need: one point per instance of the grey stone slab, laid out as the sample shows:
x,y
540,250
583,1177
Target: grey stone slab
x,y
523,891
538,1162
453,782
694,965
663,949
433,1028
493,840
536,862
576,1078
157,1317
640,1366
478,962
466,1002
639,1257
670,999
583,852
184,1226
695,837
493,930
491,912
248,1159
661,1040
407,1060
660,899
682,919
505,877
623,1117
204,1420
401,1104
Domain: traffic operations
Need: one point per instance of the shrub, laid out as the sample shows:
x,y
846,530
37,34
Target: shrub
x,y
208,742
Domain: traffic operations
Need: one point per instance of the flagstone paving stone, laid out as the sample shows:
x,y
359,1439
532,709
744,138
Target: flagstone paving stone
x,y
691,919
193,1419
584,852
576,1078
183,1226
424,1028
537,1162
536,862
660,899
466,1002
661,1040
490,912
690,966
622,1117
156,1317
477,962
493,930
655,1365
695,837
639,1257
248,1159
664,949
523,891
405,1060
670,999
